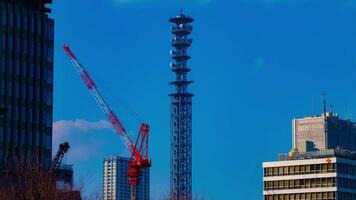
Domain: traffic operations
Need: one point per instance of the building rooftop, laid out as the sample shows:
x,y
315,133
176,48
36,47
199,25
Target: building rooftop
x,y
111,158
35,4
318,154
181,19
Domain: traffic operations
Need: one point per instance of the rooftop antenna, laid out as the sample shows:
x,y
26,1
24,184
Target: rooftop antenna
x,y
181,11
313,113
346,114
324,103
331,108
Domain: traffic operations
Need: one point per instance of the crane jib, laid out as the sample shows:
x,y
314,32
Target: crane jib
x,y
88,81
116,122
139,150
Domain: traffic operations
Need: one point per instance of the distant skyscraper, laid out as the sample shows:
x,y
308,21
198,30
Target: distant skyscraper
x,y
326,131
26,86
116,185
181,111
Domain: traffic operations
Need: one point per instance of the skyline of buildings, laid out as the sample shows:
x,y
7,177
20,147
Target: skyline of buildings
x,y
26,86
301,144
115,180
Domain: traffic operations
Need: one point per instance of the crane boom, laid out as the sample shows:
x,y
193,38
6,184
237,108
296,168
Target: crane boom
x,y
57,160
89,82
139,150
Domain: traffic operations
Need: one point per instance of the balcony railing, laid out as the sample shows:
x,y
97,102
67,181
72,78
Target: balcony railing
x,y
318,154
182,42
179,54
186,29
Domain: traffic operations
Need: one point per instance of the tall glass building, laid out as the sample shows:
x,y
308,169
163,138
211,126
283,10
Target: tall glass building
x,y
26,86
116,185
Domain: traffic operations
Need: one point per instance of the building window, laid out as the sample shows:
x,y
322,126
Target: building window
x,y
3,17
11,18
49,54
25,23
3,39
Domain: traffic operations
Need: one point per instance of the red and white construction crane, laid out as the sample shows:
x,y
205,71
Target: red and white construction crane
x,y
139,150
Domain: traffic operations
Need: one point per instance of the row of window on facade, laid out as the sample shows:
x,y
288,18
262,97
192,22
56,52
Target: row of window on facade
x,y
299,169
26,70
305,196
310,127
26,22
8,44
301,183
28,115
307,169
29,152
32,140
27,92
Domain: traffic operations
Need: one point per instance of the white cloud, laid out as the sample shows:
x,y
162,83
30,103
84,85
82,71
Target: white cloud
x,y
63,128
88,140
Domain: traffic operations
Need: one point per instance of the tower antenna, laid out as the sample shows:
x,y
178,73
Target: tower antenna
x,y
181,110
324,103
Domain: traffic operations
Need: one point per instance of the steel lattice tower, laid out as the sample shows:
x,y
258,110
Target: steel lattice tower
x,y
181,112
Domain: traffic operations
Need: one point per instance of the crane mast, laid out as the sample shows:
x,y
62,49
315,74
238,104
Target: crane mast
x,y
139,150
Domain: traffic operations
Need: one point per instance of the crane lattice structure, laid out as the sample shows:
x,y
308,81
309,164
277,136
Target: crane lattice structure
x,y
57,160
181,111
139,150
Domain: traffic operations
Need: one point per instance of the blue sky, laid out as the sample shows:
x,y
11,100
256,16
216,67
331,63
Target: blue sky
x,y
256,65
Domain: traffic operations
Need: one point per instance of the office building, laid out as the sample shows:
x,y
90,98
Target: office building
x,y
26,86
327,174
326,131
321,165
115,181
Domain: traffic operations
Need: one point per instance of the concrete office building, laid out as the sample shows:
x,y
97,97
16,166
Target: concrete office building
x,y
116,185
322,164
26,86
326,131
327,175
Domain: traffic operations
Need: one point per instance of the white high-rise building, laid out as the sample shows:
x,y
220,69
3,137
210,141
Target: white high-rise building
x,y
116,185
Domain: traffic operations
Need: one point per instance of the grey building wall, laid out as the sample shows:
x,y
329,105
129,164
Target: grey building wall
x,y
115,181
327,131
26,82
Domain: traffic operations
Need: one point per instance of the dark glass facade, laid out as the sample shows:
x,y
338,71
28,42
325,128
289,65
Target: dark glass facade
x,y
26,86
